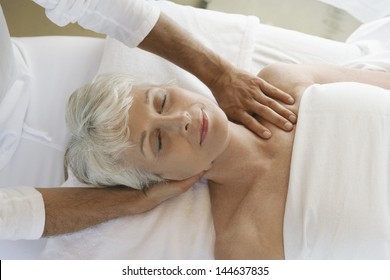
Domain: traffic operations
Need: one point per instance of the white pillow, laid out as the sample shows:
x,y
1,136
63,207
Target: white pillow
x,y
147,68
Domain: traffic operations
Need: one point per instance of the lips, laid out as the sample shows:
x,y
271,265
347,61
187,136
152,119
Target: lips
x,y
204,126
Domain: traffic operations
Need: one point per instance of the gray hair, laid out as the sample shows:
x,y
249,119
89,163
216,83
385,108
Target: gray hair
x,y
97,116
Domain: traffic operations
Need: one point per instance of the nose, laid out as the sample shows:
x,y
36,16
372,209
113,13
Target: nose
x,y
179,121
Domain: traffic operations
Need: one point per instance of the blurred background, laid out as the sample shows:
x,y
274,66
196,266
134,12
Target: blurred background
x,y
25,18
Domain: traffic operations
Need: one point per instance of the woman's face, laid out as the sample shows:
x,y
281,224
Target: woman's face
x,y
175,133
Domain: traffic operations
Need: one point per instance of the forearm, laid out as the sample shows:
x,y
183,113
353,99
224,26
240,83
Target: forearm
x,y
175,44
74,209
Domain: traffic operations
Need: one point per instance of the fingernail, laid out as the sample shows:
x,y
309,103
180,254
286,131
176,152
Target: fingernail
x,y
288,125
291,100
266,134
293,118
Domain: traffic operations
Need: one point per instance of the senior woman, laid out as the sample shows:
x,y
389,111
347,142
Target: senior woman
x,y
137,135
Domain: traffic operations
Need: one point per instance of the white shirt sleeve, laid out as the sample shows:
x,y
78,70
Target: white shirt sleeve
x,y
128,21
22,213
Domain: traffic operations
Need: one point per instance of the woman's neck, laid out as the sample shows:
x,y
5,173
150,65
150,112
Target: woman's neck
x,y
244,150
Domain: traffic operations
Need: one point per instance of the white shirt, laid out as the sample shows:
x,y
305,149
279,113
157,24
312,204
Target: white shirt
x,y
22,213
128,21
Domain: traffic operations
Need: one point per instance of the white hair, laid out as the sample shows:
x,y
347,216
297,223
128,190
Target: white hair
x,y
97,117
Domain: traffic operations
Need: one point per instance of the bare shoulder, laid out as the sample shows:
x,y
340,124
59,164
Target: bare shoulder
x,y
291,78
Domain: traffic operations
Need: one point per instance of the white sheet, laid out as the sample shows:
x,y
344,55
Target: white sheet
x,y
338,204
363,10
373,39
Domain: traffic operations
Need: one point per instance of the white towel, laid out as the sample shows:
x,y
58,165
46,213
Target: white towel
x,y
338,204
363,10
181,228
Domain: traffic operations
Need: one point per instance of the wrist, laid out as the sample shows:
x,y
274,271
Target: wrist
x,y
224,77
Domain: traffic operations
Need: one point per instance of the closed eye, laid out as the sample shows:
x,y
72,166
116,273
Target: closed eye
x,y
163,103
159,140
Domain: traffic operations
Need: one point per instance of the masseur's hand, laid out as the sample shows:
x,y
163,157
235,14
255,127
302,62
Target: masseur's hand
x,y
243,96
156,194
73,209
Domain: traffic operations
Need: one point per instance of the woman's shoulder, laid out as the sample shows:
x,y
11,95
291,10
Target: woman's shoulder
x,y
291,78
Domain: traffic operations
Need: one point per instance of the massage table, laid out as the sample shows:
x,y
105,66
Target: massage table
x,y
181,228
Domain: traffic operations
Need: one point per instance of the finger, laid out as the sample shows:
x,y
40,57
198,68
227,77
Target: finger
x,y
163,191
182,186
252,124
275,93
275,113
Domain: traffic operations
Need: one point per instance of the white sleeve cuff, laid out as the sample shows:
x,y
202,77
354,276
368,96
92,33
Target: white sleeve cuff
x,y
22,213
